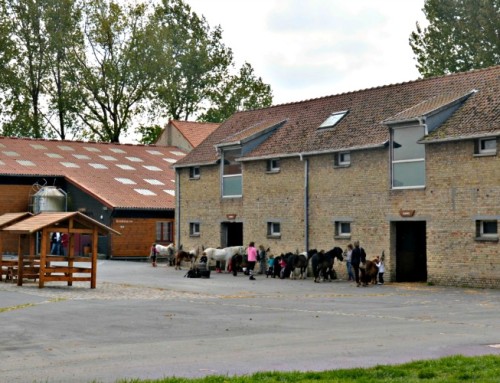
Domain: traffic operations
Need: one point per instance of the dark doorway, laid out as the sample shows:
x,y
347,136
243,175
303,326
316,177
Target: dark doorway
x,y
411,252
231,234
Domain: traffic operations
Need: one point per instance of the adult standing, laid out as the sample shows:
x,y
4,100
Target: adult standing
x,y
358,258
348,257
252,258
262,259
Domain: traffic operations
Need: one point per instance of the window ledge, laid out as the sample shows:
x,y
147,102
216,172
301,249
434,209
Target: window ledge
x,y
341,237
194,178
274,236
194,235
341,166
273,171
486,239
492,154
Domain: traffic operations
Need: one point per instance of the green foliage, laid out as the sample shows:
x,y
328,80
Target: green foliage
x,y
461,35
149,134
454,369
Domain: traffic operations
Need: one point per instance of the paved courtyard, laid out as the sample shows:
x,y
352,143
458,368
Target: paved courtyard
x,y
144,322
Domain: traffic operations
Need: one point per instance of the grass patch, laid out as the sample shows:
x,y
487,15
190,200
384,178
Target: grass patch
x,y
454,369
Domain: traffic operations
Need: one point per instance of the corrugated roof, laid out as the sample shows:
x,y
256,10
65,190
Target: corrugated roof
x,y
363,126
120,175
45,219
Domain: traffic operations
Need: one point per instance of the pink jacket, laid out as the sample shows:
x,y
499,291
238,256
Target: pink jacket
x,y
252,254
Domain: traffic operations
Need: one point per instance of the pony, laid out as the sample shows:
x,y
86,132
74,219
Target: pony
x,y
371,273
182,255
224,254
300,261
237,262
167,251
322,264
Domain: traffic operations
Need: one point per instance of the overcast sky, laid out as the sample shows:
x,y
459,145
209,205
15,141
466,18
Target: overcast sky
x,y
312,48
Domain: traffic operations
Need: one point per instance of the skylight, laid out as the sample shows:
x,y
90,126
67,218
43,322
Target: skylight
x,y
154,152
145,192
98,166
69,164
170,191
38,146
81,156
125,167
175,153
25,163
53,155
66,148
108,158
152,168
153,181
134,159
116,150
333,119
125,181
11,154
91,149
170,160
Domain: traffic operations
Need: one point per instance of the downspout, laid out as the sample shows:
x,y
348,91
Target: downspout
x,y
177,208
306,201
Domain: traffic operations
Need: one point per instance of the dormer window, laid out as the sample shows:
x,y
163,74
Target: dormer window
x,y
194,172
333,119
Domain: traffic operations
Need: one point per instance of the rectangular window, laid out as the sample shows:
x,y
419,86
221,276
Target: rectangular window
x,y
194,172
487,146
273,165
231,174
342,229
164,232
487,229
194,229
342,159
408,157
273,229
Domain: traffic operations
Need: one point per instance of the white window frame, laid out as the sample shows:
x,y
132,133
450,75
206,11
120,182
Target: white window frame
x,y
273,165
482,149
231,178
339,229
407,161
194,229
194,172
273,229
480,228
340,159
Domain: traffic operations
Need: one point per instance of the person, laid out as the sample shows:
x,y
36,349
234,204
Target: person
x,y
252,258
261,257
270,266
55,243
348,255
358,259
153,254
282,264
379,262
63,247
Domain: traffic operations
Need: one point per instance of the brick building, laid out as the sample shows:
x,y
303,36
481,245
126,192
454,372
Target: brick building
x,y
410,170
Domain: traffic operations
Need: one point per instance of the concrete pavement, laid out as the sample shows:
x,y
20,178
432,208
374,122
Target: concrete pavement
x,y
144,322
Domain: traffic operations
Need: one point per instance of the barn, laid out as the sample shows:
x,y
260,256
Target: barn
x,y
129,188
411,170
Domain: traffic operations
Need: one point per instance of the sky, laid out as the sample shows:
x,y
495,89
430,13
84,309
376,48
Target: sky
x,y
313,48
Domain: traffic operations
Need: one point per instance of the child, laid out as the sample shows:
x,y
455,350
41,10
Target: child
x,y
381,269
153,254
270,267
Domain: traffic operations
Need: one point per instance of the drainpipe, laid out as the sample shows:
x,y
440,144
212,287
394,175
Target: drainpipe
x,y
177,208
306,201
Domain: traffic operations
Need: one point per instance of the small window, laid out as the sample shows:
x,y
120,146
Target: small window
x,y
487,146
487,229
273,165
333,119
194,172
273,229
342,229
342,159
194,229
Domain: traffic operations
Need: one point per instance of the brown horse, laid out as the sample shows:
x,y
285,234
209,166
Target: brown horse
x,y
185,256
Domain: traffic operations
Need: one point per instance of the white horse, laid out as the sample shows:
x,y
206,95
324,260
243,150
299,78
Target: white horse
x,y
168,251
223,254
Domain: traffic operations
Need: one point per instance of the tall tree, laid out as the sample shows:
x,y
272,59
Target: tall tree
x,y
241,92
25,36
115,72
62,20
461,35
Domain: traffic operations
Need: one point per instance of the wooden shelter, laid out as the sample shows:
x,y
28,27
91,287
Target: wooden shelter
x,y
8,266
62,268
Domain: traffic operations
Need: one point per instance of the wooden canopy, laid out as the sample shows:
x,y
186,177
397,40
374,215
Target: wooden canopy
x,y
70,223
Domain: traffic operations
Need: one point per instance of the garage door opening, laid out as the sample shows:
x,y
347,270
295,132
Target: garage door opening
x,y
411,252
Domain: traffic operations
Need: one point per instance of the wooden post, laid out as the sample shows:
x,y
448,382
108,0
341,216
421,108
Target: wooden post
x,y
20,262
43,258
95,238
71,252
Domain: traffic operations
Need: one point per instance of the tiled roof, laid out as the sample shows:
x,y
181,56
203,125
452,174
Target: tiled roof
x,y
363,126
119,175
195,132
252,131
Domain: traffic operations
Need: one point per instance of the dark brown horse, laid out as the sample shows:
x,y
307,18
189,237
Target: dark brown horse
x,y
186,256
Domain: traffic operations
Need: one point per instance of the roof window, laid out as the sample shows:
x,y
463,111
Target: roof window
x,y
333,119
